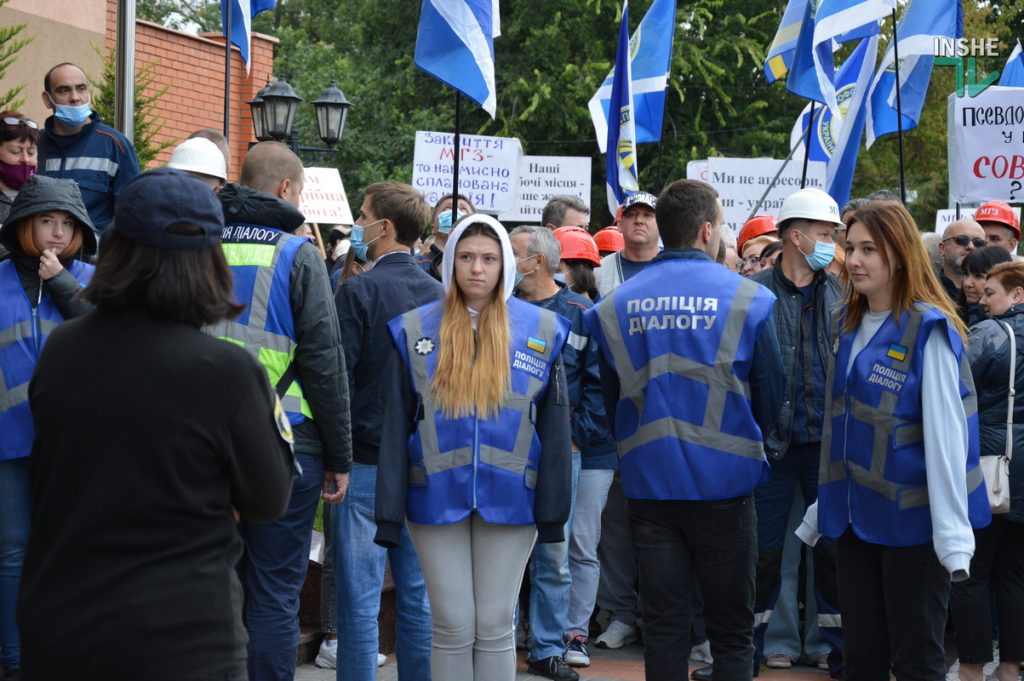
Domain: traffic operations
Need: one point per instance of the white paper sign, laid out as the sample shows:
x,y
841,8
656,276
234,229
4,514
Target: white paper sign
x,y
488,169
986,146
323,198
541,177
697,170
741,182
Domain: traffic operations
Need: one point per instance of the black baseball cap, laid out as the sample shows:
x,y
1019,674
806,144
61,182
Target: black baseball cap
x,y
639,199
157,200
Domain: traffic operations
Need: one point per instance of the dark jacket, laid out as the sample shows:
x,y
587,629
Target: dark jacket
x,y
589,424
988,349
5,207
319,358
40,194
97,157
365,304
430,262
787,315
765,375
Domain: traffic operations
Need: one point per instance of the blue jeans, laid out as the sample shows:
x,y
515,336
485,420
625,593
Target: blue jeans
x,y
797,470
550,585
359,576
584,567
783,634
14,523
272,571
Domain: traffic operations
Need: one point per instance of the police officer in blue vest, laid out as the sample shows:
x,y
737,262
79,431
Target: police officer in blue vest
x,y
692,376
290,325
899,484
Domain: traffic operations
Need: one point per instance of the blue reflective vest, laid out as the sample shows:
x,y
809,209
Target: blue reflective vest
x,y
872,473
457,465
681,336
261,261
24,327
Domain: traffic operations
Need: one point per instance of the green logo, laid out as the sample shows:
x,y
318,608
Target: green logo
x,y
967,81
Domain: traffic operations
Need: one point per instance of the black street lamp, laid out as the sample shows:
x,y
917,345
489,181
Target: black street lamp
x,y
273,115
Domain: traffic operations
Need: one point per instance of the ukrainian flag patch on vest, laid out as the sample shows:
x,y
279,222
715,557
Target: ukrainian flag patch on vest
x,y
536,344
897,352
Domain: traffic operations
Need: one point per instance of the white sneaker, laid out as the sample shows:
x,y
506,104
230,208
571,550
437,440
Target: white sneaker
x,y
381,660
327,658
576,653
701,653
617,634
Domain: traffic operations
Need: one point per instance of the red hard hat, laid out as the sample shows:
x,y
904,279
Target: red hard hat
x,y
609,239
756,226
577,244
997,211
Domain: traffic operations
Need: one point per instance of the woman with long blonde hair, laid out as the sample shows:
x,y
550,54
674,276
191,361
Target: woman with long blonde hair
x,y
900,487
475,448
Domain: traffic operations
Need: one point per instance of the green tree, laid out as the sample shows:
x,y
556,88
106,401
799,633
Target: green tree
x,y
146,95
10,45
203,15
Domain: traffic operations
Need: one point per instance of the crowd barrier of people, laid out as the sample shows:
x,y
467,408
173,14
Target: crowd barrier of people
x,y
560,438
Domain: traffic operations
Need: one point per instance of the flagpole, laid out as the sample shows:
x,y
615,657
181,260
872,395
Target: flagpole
x,y
455,172
785,163
227,69
899,106
807,147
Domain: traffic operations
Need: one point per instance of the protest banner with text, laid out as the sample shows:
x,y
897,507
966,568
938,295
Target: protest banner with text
x,y
488,169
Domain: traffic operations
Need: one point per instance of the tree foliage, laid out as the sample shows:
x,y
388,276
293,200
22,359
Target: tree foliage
x,y
10,45
146,128
551,57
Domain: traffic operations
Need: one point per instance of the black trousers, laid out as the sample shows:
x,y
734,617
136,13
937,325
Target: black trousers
x,y
716,542
996,568
893,601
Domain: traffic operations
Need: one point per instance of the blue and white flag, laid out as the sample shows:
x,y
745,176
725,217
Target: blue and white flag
x,y
455,44
650,51
1013,72
827,129
922,23
780,52
840,168
242,12
839,21
620,157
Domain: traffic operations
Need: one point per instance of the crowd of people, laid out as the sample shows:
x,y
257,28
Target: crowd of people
x,y
558,440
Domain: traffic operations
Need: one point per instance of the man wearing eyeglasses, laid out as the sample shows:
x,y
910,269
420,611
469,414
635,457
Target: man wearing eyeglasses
x,y
960,238
75,145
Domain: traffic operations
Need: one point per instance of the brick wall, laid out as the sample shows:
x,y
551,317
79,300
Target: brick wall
x,y
193,69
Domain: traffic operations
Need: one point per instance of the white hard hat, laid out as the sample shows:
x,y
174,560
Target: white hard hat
x,y
199,155
810,204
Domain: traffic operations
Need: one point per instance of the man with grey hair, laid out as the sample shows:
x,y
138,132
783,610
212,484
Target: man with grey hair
x,y
565,211
960,239
564,576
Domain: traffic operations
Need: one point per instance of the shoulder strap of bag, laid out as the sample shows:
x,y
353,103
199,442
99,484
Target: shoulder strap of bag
x,y
1013,381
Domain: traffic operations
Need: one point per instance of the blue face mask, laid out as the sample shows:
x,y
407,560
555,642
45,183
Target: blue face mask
x,y
560,277
519,277
356,244
822,255
72,116
444,220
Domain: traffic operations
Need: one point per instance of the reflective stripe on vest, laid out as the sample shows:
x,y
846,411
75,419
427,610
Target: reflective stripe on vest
x,y
885,424
274,351
21,340
436,461
634,382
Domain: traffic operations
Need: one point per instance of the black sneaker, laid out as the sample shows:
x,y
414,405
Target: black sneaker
x,y
553,668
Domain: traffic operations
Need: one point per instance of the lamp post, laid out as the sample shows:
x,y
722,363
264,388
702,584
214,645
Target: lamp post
x,y
273,115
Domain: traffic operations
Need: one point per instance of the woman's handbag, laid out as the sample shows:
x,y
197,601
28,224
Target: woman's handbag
x,y
996,468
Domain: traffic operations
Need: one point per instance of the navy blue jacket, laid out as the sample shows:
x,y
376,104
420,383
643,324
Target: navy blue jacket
x,y
766,380
589,424
365,304
98,158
